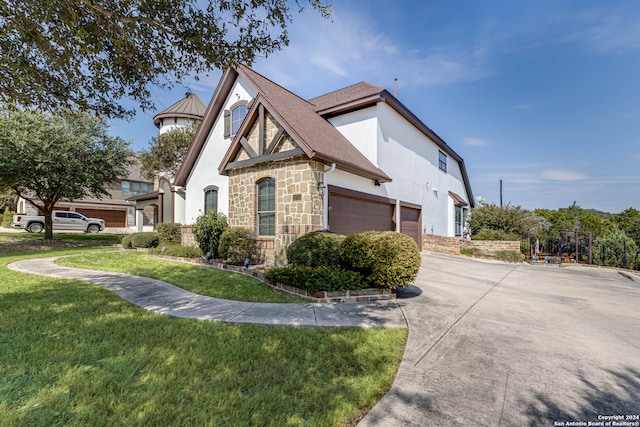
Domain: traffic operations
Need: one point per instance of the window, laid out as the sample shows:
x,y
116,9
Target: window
x,y
442,161
233,118
459,220
211,200
136,188
237,116
267,207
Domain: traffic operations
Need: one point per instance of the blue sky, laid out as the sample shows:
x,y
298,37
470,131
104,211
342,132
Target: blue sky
x,y
543,94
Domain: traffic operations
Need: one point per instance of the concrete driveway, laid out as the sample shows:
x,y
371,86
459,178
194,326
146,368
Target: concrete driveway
x,y
494,344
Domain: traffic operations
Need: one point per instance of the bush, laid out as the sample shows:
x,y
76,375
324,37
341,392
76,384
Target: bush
x,y
509,256
385,259
237,244
319,248
176,250
144,240
488,234
469,251
169,233
207,231
610,249
313,279
7,218
126,241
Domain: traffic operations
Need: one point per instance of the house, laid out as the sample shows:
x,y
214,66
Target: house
x,y
352,160
115,209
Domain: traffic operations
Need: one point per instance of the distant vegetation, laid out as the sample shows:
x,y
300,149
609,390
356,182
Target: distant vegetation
x,y
614,237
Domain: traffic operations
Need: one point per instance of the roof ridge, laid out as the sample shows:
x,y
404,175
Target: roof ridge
x,y
244,67
347,87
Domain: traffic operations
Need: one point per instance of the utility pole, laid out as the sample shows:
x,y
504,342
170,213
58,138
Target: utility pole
x,y
500,193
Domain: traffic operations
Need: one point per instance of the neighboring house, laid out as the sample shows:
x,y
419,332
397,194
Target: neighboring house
x,y
352,160
114,209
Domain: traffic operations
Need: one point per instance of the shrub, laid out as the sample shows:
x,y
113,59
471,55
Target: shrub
x,y
169,233
385,259
147,239
313,279
176,250
469,251
488,234
610,249
7,218
126,241
319,248
509,256
237,244
207,231
525,247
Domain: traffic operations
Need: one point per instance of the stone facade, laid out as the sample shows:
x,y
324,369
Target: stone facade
x,y
299,207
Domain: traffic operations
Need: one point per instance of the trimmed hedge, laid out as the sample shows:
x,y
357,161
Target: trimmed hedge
x,y
207,231
313,279
169,233
319,248
144,240
237,244
177,250
126,241
386,259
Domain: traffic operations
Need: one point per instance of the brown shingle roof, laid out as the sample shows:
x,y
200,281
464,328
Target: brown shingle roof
x,y
347,95
321,139
189,107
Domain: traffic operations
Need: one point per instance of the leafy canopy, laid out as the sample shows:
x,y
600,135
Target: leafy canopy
x,y
93,54
167,151
491,221
47,158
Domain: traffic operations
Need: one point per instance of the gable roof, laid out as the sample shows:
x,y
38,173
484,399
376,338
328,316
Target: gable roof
x,y
363,95
189,107
319,139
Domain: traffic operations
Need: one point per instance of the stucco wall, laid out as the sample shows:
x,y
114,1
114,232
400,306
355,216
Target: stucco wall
x,y
205,171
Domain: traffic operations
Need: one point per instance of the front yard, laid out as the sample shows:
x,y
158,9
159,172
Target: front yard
x,y
74,354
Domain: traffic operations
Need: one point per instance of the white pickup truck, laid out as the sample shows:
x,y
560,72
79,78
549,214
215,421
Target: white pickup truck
x,y
62,221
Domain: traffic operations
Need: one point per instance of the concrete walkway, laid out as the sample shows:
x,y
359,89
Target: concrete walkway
x,y
164,298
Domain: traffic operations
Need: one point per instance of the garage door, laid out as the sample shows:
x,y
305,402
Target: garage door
x,y
410,224
349,214
112,218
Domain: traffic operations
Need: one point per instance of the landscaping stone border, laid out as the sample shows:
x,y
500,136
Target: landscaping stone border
x,y
371,294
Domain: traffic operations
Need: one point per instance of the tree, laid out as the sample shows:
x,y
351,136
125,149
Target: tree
x,y
505,223
629,221
167,151
7,199
616,249
47,158
92,54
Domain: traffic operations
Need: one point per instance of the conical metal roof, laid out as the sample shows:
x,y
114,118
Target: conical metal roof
x,y
189,107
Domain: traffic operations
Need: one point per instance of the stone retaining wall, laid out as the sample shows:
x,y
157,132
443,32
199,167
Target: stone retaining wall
x,y
453,245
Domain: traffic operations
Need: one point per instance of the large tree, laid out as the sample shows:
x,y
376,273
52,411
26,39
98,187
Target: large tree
x,y
47,158
93,54
167,151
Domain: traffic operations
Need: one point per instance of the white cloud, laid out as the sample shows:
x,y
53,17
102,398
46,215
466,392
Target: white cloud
x,y
607,31
476,142
563,175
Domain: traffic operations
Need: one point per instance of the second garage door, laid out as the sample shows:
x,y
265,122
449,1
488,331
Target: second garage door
x,y
112,218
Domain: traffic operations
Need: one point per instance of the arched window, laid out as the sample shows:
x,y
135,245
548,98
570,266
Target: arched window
x,y
210,200
267,207
237,116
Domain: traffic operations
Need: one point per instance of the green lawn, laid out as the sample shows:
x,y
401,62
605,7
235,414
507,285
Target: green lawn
x,y
194,278
74,354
